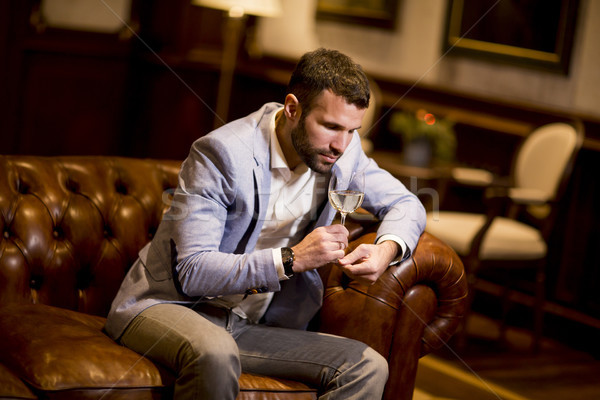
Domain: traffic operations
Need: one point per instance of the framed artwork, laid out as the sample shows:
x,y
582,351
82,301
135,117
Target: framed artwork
x,y
534,33
106,16
376,13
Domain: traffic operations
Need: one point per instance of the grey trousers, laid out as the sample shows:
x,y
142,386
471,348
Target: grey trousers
x,y
208,347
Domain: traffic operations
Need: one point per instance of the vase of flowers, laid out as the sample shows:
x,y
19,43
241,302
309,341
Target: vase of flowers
x,y
425,137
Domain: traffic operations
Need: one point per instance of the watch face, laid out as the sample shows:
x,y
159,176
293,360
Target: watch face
x,y
287,255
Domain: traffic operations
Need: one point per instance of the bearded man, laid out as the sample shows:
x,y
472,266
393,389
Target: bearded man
x,y
229,282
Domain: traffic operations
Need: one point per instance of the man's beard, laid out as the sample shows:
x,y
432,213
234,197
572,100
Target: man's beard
x,y
308,154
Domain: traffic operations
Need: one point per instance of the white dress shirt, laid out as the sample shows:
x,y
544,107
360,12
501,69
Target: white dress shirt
x,y
294,197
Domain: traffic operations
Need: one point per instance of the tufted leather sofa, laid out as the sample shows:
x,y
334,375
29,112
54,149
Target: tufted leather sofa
x,y
71,227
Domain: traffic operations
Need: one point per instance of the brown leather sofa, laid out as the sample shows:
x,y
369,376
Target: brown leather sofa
x,y
71,227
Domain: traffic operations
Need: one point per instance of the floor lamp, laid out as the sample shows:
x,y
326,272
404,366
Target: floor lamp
x,y
237,12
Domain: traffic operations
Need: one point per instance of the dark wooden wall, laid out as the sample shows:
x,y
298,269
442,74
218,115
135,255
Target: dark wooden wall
x,y
150,93
136,92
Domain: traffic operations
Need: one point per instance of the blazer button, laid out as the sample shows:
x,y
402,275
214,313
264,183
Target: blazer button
x,y
258,290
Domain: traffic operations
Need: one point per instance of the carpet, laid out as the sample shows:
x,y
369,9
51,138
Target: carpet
x,y
490,368
438,379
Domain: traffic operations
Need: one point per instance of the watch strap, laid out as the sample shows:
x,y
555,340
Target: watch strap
x,y
287,257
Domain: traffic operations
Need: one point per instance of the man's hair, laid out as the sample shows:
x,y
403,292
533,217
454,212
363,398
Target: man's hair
x,y
325,69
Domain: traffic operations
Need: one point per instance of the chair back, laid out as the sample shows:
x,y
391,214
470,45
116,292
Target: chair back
x,y
545,159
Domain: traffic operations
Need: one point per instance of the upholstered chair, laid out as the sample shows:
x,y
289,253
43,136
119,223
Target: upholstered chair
x,y
515,231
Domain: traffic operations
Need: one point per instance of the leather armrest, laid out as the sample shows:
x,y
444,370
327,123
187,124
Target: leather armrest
x,y
412,309
472,176
369,313
522,196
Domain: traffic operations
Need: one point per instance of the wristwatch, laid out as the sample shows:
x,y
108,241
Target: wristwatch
x,y
287,256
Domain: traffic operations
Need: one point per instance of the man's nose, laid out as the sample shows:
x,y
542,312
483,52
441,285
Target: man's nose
x,y
341,141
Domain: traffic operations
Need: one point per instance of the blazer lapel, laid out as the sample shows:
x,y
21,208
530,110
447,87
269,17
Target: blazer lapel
x,y
262,180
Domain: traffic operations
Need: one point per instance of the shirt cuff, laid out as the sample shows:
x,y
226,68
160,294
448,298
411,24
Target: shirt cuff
x,y
279,264
393,238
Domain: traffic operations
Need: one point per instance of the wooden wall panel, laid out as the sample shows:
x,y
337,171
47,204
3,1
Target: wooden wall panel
x,y
71,104
170,108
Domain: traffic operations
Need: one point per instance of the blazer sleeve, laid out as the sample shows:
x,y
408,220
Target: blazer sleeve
x,y
400,211
213,206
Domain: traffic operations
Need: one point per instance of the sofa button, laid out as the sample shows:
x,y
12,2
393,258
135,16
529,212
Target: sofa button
x,y
35,283
107,232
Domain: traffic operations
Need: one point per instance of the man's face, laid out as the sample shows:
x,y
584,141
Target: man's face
x,y
322,136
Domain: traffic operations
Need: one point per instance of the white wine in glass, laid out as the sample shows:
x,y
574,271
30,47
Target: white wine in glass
x,y
346,195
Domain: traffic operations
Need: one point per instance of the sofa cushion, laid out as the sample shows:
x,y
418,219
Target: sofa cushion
x,y
53,349
255,387
66,354
11,387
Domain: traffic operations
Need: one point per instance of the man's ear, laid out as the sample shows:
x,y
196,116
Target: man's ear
x,y
292,108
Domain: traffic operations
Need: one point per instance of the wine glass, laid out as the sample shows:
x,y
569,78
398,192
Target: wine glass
x,y
346,195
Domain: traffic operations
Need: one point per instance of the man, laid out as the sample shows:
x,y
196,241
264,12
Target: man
x,y
230,282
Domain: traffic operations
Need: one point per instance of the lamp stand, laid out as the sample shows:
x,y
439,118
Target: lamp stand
x,y
232,36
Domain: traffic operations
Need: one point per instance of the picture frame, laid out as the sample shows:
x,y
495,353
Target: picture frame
x,y
374,13
107,17
533,33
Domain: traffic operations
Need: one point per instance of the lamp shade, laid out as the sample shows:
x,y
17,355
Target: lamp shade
x,y
261,8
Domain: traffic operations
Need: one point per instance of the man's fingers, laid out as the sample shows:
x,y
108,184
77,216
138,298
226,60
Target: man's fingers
x,y
359,254
337,228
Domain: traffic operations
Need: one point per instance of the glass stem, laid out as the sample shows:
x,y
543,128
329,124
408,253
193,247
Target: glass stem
x,y
343,215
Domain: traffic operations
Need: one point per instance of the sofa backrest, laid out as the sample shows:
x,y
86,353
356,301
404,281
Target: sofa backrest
x,y
72,226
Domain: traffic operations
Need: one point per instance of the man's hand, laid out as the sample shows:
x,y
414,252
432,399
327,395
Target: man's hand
x,y
369,261
324,245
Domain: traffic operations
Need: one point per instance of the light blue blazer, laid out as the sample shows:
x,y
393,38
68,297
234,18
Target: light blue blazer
x,y
205,244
